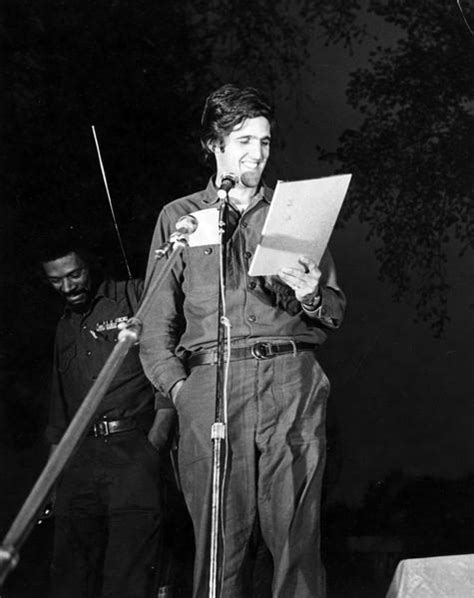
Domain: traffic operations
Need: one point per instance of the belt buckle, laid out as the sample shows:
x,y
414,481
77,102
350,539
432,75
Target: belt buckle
x,y
262,351
101,428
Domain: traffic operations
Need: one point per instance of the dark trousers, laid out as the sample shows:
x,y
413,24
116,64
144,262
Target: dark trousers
x,y
108,518
275,463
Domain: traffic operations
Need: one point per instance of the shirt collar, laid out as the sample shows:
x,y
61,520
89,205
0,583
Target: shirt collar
x,y
100,291
210,193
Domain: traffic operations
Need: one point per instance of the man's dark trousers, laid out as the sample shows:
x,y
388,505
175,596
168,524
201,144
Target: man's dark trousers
x,y
276,456
108,518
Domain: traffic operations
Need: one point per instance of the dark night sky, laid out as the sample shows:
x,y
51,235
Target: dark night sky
x,y
402,399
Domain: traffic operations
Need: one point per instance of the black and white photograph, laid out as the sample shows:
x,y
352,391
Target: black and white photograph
x,y
237,324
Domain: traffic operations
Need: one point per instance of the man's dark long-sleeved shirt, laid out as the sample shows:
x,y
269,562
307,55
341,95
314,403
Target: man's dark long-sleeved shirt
x,y
83,344
184,316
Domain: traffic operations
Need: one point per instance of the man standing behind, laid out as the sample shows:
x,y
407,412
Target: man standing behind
x,y
277,390
108,505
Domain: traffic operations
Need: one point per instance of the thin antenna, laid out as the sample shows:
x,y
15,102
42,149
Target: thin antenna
x,y
110,204
464,17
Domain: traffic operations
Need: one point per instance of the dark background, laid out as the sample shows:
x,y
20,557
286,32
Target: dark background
x,y
379,89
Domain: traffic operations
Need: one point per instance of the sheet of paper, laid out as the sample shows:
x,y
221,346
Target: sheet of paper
x,y
207,231
299,222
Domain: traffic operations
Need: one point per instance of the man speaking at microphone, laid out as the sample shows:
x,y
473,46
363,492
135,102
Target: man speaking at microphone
x,y
277,391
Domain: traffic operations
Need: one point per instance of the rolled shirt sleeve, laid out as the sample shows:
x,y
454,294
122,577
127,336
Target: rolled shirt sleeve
x,y
330,311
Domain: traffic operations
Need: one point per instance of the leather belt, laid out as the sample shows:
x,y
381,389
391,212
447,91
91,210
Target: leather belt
x,y
260,351
105,427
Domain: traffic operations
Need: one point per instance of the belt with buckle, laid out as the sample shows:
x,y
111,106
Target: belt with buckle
x,y
105,427
260,351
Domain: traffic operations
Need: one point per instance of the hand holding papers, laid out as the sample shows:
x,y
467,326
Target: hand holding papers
x,y
299,222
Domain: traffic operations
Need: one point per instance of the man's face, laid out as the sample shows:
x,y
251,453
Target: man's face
x,y
246,151
70,276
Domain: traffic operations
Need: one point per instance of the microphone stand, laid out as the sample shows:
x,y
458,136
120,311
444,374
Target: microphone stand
x,y
24,521
218,429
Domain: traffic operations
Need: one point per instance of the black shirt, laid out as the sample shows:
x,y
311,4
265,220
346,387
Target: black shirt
x,y
83,343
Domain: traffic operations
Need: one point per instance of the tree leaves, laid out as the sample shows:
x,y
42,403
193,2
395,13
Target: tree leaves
x,y
411,154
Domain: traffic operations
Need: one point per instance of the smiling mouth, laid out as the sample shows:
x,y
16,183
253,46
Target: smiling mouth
x,y
76,297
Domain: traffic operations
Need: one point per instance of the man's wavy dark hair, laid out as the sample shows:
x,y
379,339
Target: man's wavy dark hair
x,y
226,108
52,245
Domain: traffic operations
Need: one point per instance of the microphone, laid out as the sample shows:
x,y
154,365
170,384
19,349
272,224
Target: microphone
x,y
228,182
185,226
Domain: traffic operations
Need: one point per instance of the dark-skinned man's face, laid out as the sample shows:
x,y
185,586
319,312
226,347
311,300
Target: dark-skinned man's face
x,y
70,276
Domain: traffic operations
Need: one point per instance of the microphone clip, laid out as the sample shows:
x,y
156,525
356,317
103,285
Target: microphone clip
x,y
185,226
168,245
228,182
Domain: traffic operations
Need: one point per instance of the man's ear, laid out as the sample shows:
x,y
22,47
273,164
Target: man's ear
x,y
216,147
212,146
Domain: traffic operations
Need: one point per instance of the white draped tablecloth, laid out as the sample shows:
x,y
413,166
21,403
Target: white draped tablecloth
x,y
434,577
